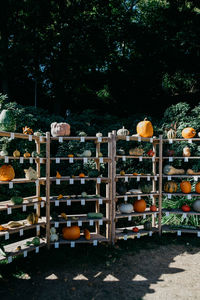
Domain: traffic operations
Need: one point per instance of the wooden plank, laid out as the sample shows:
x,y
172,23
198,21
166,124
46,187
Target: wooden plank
x,y
130,234
160,185
118,176
6,204
26,226
24,158
113,187
154,181
48,140
181,157
93,237
180,212
21,136
98,186
38,173
11,249
105,159
156,194
182,176
181,194
78,138
22,180
135,138
135,214
181,140
109,191
169,229
67,178
135,157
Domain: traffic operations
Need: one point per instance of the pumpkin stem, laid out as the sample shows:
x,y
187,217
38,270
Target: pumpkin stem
x,y
145,119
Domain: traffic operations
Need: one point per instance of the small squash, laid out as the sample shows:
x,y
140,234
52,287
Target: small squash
x,y
145,129
123,131
16,153
147,226
60,196
188,133
27,154
186,152
185,187
170,170
136,151
58,175
126,208
87,234
139,205
81,175
71,233
197,188
153,208
70,155
135,229
122,173
32,219
170,187
27,130
185,208
7,173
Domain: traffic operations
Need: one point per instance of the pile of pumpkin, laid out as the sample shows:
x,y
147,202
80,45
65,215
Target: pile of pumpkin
x,y
138,206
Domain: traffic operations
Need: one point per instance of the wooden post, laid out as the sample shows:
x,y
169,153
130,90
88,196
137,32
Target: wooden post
x,y
109,190
154,182
98,186
38,174
48,188
160,184
113,185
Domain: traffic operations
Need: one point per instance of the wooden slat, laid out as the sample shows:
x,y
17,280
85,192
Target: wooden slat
x,y
182,194
166,228
11,249
48,154
130,234
135,214
93,237
5,204
26,226
80,217
105,159
156,194
78,138
21,135
22,180
67,178
135,157
160,185
135,138
180,212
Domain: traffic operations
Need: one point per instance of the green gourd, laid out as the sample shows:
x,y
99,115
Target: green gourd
x,y
147,226
146,188
95,215
17,200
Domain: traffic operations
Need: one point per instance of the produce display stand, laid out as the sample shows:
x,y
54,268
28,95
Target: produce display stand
x,y
100,202
35,201
170,159
155,177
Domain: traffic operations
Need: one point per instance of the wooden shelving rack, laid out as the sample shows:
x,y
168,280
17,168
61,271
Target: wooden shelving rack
x,y
102,230
155,177
166,228
97,236
35,201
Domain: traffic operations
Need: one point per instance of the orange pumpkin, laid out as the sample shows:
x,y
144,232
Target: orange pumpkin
x,y
87,234
70,155
145,129
71,233
197,187
185,187
82,175
139,205
188,133
7,173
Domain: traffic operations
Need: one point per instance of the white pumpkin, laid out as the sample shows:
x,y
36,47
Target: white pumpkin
x,y
196,205
30,174
126,208
3,153
123,131
99,134
60,129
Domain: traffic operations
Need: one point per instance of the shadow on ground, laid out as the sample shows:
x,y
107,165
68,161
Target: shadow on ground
x,y
124,272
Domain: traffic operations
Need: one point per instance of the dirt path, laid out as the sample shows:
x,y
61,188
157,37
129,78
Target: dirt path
x,y
166,272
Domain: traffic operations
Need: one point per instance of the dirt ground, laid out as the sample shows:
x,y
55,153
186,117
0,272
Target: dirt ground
x,y
168,271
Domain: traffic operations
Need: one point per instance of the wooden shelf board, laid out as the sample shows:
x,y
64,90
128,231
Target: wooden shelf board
x,y
135,214
181,139
182,194
169,229
6,204
82,217
22,180
135,176
181,157
23,136
120,234
136,195
65,178
180,212
24,158
135,138
78,138
105,159
181,176
75,199
11,249
93,236
136,157
26,226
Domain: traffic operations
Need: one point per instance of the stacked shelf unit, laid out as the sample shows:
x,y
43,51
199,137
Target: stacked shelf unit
x,y
31,203
155,177
175,196
97,202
